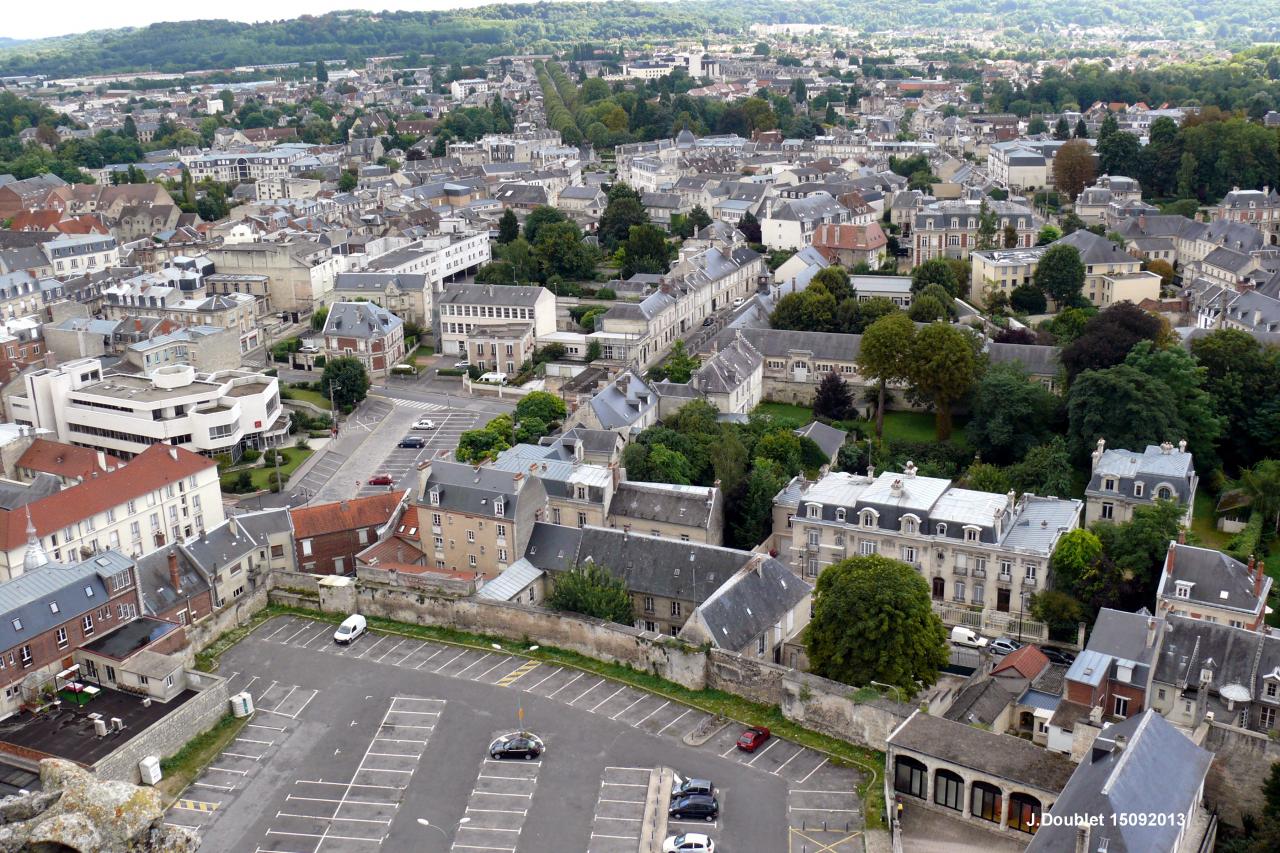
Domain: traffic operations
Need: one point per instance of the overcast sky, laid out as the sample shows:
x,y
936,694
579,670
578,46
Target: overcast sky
x,y
24,20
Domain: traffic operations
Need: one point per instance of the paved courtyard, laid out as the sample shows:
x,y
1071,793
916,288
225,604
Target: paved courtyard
x,y
382,746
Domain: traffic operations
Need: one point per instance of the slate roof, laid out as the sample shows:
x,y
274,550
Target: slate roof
x,y
1217,579
778,343
728,369
262,524
1159,770
621,407
757,597
513,579
818,206
664,502
378,282
1035,359
28,596
158,594
1096,249
553,547
979,702
828,438
474,490
224,544
359,320
999,755
488,294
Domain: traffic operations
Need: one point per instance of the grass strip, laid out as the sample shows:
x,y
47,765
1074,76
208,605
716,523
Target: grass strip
x,y
181,769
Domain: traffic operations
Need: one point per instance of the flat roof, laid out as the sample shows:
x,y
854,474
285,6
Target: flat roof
x,y
129,638
121,386
69,733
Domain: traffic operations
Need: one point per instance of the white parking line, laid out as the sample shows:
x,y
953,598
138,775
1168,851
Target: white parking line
x,y
390,650
629,707
554,672
566,684
368,649
778,772
349,802
673,722
458,674
607,698
757,756
811,772
347,819
588,690
650,714
419,666
491,669
449,661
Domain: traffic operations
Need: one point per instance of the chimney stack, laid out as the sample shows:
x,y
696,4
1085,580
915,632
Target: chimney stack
x,y
175,579
1121,742
102,460
1082,836
1182,536
1151,632
1257,579
1168,560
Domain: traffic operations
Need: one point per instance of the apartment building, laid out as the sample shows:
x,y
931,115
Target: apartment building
x,y
792,223
698,285
578,494
1121,480
149,295
476,519
164,495
1111,273
75,254
232,167
440,257
1259,208
464,308
1208,585
983,554
124,414
1001,270
300,273
366,332
949,229
328,536
503,347
407,295
49,613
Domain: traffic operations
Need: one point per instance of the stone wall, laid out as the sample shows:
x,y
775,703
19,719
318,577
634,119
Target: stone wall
x,y
429,582
1242,761
204,631
282,578
169,734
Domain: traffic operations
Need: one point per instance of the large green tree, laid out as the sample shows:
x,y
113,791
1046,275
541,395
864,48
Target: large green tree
x,y
562,253
537,218
873,621
1243,380
833,399
592,590
543,405
1060,275
1107,337
345,381
941,368
646,250
1010,414
936,271
1177,369
1123,405
884,356
508,227
620,216
751,521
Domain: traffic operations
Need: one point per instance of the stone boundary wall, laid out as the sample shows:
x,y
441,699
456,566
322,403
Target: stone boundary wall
x,y
169,734
1242,760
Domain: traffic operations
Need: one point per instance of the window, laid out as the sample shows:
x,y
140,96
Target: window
x,y
126,611
940,528
650,626
1122,706
582,519
471,536
471,560
306,547
908,554
17,624
909,525
910,777
959,591
62,638
1272,689
277,551
1137,489
675,610
648,604
948,790
1182,589
363,536
121,580
339,564
979,593
25,654
815,536
840,514
868,518
1266,719
1031,571
1024,813
86,624
986,801
439,540
53,607
502,532
813,511
1109,485
1108,511
866,547
502,555
811,569
1164,493
971,534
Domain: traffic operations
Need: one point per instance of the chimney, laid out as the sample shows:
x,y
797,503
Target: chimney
x,y
102,460
1121,742
1168,561
1182,536
614,474
1182,446
1011,498
1082,836
175,580
1257,579
1097,453
910,470
1151,632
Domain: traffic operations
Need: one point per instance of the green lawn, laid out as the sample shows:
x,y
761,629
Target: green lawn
x,y
1203,520
313,397
914,426
261,476
423,351
799,415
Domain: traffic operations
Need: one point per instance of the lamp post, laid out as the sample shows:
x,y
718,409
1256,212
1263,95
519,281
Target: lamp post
x,y
422,821
891,687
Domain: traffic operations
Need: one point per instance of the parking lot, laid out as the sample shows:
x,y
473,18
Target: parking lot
x,y
348,726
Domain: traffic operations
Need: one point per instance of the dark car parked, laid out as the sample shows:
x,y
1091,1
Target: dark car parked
x,y
1058,656
695,807
413,441
682,787
522,745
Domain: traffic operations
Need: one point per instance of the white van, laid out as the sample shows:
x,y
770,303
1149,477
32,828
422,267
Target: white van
x,y
493,377
351,627
962,636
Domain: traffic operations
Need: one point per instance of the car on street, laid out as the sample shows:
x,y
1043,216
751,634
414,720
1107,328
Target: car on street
x,y
682,787
737,303
690,842
424,423
353,626
524,745
962,636
1004,646
381,480
694,807
461,365
412,441
710,321
752,738
1058,656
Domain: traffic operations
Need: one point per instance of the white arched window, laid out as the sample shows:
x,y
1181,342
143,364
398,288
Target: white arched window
x,y
840,514
868,518
941,528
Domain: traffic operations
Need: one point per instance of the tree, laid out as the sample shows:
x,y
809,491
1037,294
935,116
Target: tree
x,y
322,73
537,218
1073,167
1059,610
1060,275
1243,379
1260,486
347,181
781,447
669,466
1010,414
345,381
985,477
1107,337
750,227
1075,552
836,281
1138,547
561,251
833,399
941,367
646,250
318,317
594,591
699,218
1010,235
1046,470
1037,126
1082,130
593,351
1177,369
873,621
988,227
1047,235
1163,269
679,365
884,356
1121,404
1119,154
1062,130
752,520
1027,299
935,271
927,308
620,216
541,404
508,227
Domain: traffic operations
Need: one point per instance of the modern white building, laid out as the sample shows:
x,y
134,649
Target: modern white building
x,y
464,308
77,254
213,413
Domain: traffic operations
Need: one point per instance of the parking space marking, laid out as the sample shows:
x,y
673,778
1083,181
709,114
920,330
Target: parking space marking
x,y
196,805
390,650
487,655
778,772
673,722
496,809
519,672
451,660
607,698
814,770
588,690
481,676
643,696
637,723
760,754
554,671
368,649
563,686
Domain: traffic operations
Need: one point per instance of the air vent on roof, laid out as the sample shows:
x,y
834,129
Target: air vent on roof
x,y
676,573
1224,595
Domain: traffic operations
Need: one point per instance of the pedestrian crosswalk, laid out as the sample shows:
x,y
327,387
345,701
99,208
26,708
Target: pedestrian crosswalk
x,y
416,404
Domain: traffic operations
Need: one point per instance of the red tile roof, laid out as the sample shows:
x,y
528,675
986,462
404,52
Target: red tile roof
x,y
851,237
1027,661
154,468
372,511
64,460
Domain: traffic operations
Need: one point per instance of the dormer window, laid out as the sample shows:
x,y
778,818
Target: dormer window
x,y
971,534
1138,490
840,514
1109,485
868,518
500,506
813,511
1164,493
435,497
1272,689
1182,589
940,528
908,525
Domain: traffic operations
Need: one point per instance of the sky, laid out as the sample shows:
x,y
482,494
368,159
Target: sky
x,y
24,20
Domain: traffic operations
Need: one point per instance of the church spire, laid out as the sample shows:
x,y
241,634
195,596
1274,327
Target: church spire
x,y
35,556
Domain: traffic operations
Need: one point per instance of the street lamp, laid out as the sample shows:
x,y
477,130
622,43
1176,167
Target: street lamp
x,y
422,821
891,687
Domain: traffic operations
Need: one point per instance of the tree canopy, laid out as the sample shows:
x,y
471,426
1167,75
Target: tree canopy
x,y
592,590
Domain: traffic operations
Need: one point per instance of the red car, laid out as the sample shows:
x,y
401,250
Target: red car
x,y
381,480
750,740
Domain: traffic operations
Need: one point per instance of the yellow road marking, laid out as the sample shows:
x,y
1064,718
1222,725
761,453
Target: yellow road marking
x,y
195,805
519,672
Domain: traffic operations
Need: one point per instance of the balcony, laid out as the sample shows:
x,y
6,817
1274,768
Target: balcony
x,y
960,571
1005,577
1028,583
979,573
